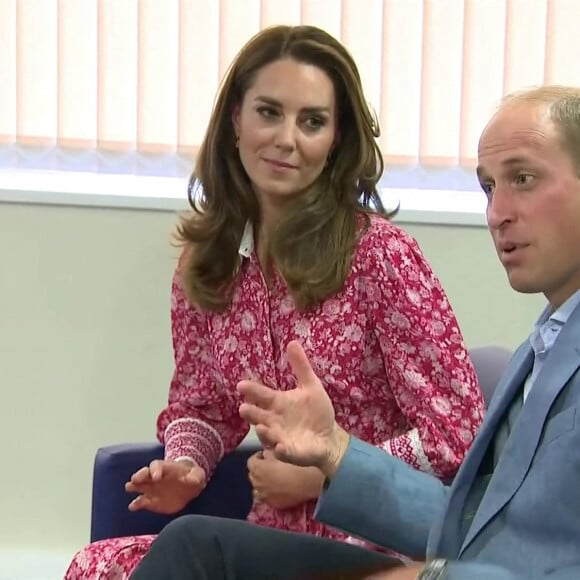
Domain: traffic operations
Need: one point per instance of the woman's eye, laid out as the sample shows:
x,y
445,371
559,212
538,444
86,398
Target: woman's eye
x,y
267,112
314,123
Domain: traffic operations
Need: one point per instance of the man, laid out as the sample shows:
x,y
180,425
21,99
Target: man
x,y
513,510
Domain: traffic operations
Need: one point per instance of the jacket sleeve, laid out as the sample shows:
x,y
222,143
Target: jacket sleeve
x,y
201,420
426,361
477,571
379,498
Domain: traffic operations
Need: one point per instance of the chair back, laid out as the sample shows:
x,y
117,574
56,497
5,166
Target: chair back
x,y
490,363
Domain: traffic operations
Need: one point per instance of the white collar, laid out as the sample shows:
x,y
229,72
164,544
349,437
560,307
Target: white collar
x,y
247,243
562,313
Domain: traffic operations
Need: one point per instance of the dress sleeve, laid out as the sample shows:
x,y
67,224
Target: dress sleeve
x,y
201,421
426,361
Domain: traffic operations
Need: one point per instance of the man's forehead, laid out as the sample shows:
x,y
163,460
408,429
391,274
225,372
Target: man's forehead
x,y
516,133
511,159
517,121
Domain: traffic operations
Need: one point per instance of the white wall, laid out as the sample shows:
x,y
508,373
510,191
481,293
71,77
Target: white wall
x,y
85,354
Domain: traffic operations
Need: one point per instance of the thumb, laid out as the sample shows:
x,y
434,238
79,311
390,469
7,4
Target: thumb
x,y
195,476
300,365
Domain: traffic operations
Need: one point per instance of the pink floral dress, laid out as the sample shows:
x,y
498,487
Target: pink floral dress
x,y
387,348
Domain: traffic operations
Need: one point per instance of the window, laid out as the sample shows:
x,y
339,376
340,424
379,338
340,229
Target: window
x,y
125,87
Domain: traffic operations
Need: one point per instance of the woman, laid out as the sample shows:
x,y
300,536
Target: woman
x,y
288,240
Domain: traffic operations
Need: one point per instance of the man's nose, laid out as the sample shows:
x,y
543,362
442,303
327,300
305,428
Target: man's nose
x,y
500,207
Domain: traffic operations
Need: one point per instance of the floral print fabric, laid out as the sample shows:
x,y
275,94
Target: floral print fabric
x,y
387,348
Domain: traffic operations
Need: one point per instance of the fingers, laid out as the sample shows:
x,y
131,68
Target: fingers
x,y
269,437
266,443
252,479
134,488
141,476
195,476
253,459
255,415
257,394
258,495
300,365
143,480
268,455
150,473
157,468
141,502
273,438
283,454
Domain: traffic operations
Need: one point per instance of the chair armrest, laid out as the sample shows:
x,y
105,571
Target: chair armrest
x,y
228,493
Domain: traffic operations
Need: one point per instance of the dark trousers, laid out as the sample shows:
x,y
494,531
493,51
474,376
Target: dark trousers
x,y
207,548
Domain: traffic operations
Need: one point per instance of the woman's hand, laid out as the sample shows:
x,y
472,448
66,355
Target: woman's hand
x,y
281,485
166,486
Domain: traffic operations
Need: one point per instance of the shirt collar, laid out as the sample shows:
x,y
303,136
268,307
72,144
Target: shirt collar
x,y
247,243
565,311
561,314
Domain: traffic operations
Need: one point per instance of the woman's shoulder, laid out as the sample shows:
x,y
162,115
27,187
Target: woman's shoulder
x,y
185,252
380,233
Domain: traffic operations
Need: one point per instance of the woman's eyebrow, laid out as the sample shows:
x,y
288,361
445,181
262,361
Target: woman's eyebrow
x,y
275,103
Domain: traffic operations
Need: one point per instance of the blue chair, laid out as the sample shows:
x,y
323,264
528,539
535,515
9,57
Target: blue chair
x,y
228,493
490,363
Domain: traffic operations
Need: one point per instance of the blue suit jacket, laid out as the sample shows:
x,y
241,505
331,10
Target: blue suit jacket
x,y
526,525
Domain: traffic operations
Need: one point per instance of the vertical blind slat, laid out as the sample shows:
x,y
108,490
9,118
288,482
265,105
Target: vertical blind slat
x,y
563,42
239,21
8,71
158,49
273,12
483,64
198,42
77,78
141,75
441,89
36,72
325,14
366,48
401,80
117,74
525,45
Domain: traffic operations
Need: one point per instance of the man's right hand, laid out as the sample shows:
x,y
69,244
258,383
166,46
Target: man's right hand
x,y
166,486
299,424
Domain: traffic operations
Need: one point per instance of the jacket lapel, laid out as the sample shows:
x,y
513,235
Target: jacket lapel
x,y
518,453
447,538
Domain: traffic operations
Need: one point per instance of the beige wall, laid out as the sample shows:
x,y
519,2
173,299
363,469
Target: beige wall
x,y
85,353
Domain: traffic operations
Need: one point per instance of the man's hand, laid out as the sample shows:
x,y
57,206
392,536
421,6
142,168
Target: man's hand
x,y
399,573
280,485
298,424
166,486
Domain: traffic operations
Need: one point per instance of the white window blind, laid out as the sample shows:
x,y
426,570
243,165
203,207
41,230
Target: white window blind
x,y
127,86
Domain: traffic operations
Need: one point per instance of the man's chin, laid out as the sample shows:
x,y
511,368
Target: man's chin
x,y
523,286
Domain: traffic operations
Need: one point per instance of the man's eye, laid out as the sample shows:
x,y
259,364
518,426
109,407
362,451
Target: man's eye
x,y
487,187
524,178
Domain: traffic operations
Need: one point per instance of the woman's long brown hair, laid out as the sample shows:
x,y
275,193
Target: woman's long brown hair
x,y
313,244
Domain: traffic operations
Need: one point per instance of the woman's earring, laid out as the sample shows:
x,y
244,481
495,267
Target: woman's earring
x,y
237,142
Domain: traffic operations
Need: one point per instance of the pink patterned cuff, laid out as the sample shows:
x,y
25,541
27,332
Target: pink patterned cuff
x,y
194,439
409,448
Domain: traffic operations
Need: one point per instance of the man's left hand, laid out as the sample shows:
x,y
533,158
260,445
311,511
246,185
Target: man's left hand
x,y
399,573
